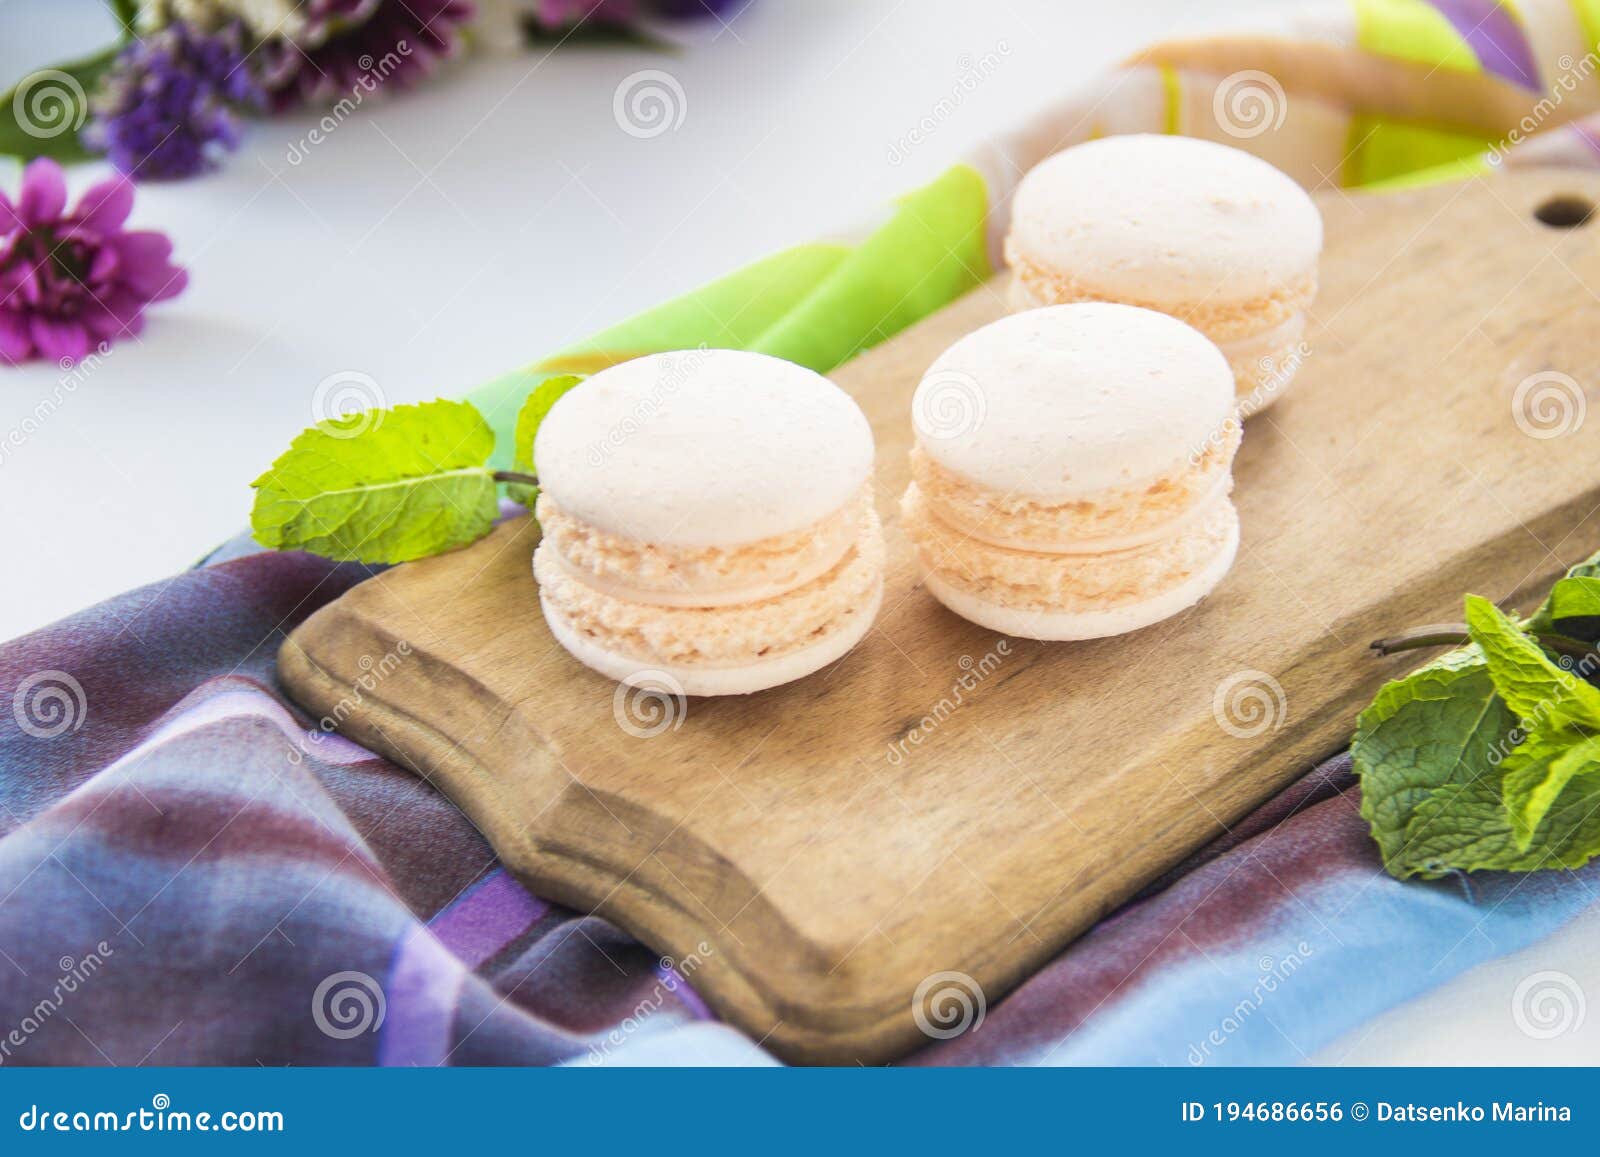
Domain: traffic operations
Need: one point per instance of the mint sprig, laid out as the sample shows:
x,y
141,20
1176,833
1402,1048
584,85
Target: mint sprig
x,y
394,485
1489,757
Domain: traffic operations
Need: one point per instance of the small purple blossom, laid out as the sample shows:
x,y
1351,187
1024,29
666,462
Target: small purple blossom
x,y
72,281
361,43
165,109
556,15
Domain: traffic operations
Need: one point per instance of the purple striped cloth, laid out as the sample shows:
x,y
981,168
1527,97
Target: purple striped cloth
x,y
187,876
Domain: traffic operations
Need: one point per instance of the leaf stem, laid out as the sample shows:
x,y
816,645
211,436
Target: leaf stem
x,y
1455,635
1432,635
516,476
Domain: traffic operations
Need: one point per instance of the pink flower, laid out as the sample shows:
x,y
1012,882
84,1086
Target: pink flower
x,y
72,281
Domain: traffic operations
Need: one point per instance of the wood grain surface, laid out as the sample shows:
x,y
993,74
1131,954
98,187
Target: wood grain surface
x,y
945,800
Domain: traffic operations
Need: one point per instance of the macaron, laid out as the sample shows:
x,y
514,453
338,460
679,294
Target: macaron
x,y
707,516
1071,472
1212,235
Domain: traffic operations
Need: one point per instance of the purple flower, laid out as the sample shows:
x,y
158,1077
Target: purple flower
x,y
71,281
556,15
165,108
361,44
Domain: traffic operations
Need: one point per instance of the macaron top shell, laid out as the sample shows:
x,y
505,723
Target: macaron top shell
x,y
1073,400
1165,220
704,448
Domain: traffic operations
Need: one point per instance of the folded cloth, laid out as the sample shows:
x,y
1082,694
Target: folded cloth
x,y
192,871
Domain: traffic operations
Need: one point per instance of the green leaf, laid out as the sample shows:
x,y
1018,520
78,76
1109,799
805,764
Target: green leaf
x,y
1539,772
381,486
1424,739
1483,759
127,13
44,113
1572,609
546,394
1544,696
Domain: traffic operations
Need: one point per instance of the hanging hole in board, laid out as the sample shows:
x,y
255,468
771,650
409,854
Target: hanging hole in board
x,y
1565,211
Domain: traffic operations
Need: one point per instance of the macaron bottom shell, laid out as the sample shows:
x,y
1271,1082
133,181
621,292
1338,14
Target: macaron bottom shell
x,y
738,679
1172,577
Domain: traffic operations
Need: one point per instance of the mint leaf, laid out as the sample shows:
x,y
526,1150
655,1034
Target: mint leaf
x,y
1543,695
1572,609
381,486
545,395
1538,773
1486,758
1427,751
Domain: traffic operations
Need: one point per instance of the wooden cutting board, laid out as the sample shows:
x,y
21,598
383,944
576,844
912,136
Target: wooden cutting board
x,y
946,800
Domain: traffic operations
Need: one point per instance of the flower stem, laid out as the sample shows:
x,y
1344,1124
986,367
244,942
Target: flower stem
x,y
516,476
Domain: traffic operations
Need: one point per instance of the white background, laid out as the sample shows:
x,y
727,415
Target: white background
x,y
499,213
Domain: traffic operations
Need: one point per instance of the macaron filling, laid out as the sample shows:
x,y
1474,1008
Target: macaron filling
x,y
1036,582
719,636
714,576
1118,519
